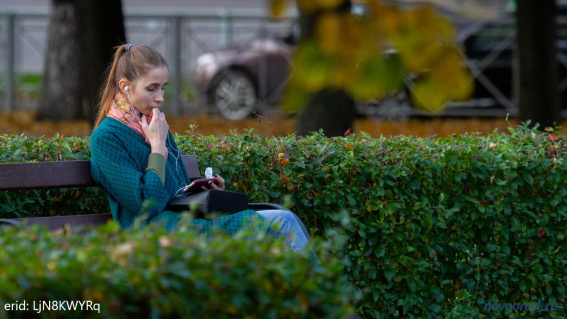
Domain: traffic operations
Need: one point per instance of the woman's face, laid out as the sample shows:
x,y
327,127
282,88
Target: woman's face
x,y
146,93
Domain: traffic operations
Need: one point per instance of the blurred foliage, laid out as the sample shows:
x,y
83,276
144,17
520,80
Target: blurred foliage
x,y
371,55
29,86
147,273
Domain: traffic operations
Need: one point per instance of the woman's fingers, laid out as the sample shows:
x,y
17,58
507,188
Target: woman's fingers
x,y
212,185
220,180
156,131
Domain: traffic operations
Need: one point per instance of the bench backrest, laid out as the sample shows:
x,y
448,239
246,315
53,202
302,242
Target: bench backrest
x,y
34,175
40,175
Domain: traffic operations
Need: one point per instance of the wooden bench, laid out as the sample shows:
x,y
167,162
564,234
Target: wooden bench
x,y
66,174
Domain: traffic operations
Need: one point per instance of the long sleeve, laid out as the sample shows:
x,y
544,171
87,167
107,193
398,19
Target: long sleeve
x,y
119,162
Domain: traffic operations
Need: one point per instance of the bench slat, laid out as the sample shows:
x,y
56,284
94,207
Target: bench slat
x,y
34,175
63,174
46,175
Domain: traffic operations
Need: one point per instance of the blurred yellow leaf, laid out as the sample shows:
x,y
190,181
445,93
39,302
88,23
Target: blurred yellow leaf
x,y
277,8
343,75
463,85
294,98
311,67
306,6
427,94
329,32
422,38
378,77
328,4
451,74
348,52
388,18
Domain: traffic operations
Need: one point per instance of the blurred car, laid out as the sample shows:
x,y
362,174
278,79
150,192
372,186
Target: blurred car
x,y
252,76
246,77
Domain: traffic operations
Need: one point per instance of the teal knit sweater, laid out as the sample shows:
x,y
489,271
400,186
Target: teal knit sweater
x,y
136,180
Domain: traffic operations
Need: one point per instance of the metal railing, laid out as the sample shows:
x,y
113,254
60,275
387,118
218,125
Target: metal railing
x,y
181,38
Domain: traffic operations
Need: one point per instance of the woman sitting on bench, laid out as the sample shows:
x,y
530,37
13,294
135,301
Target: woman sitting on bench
x,y
135,158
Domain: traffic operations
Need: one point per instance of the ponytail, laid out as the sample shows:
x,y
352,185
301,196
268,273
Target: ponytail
x,y
110,87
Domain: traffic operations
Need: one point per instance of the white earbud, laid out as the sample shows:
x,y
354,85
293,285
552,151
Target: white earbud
x,y
128,93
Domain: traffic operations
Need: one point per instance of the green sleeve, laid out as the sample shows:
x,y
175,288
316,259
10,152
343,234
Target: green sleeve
x,y
156,163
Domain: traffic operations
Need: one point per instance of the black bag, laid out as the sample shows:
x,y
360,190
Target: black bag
x,y
210,201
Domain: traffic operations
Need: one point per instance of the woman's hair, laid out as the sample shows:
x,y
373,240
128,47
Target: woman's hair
x,y
131,63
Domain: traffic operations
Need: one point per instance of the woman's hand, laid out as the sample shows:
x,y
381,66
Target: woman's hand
x,y
212,185
156,131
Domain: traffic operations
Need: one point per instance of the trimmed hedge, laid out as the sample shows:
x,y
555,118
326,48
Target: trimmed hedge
x,y
437,226
51,202
147,273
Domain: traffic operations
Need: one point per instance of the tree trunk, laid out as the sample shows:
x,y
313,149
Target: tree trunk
x,y
60,96
539,99
101,25
81,38
331,110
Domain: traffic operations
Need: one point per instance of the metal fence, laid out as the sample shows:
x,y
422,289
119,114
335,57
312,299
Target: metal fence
x,y
180,38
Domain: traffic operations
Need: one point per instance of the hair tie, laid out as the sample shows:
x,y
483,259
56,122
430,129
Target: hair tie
x,y
128,46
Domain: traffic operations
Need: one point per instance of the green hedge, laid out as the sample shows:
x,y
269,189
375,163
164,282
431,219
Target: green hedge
x,y
147,273
437,227
33,203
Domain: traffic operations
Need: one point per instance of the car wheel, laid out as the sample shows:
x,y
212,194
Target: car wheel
x,y
395,107
234,95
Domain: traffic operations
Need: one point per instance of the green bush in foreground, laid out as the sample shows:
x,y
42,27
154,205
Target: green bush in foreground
x,y
147,273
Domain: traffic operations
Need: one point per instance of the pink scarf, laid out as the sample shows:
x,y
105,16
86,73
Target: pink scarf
x,y
125,112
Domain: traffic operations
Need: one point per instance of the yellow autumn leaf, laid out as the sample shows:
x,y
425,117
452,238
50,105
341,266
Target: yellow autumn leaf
x,y
328,4
427,94
356,36
422,39
343,75
433,25
447,62
378,77
463,85
416,52
388,19
277,8
311,67
451,73
306,6
347,52
294,98
329,32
